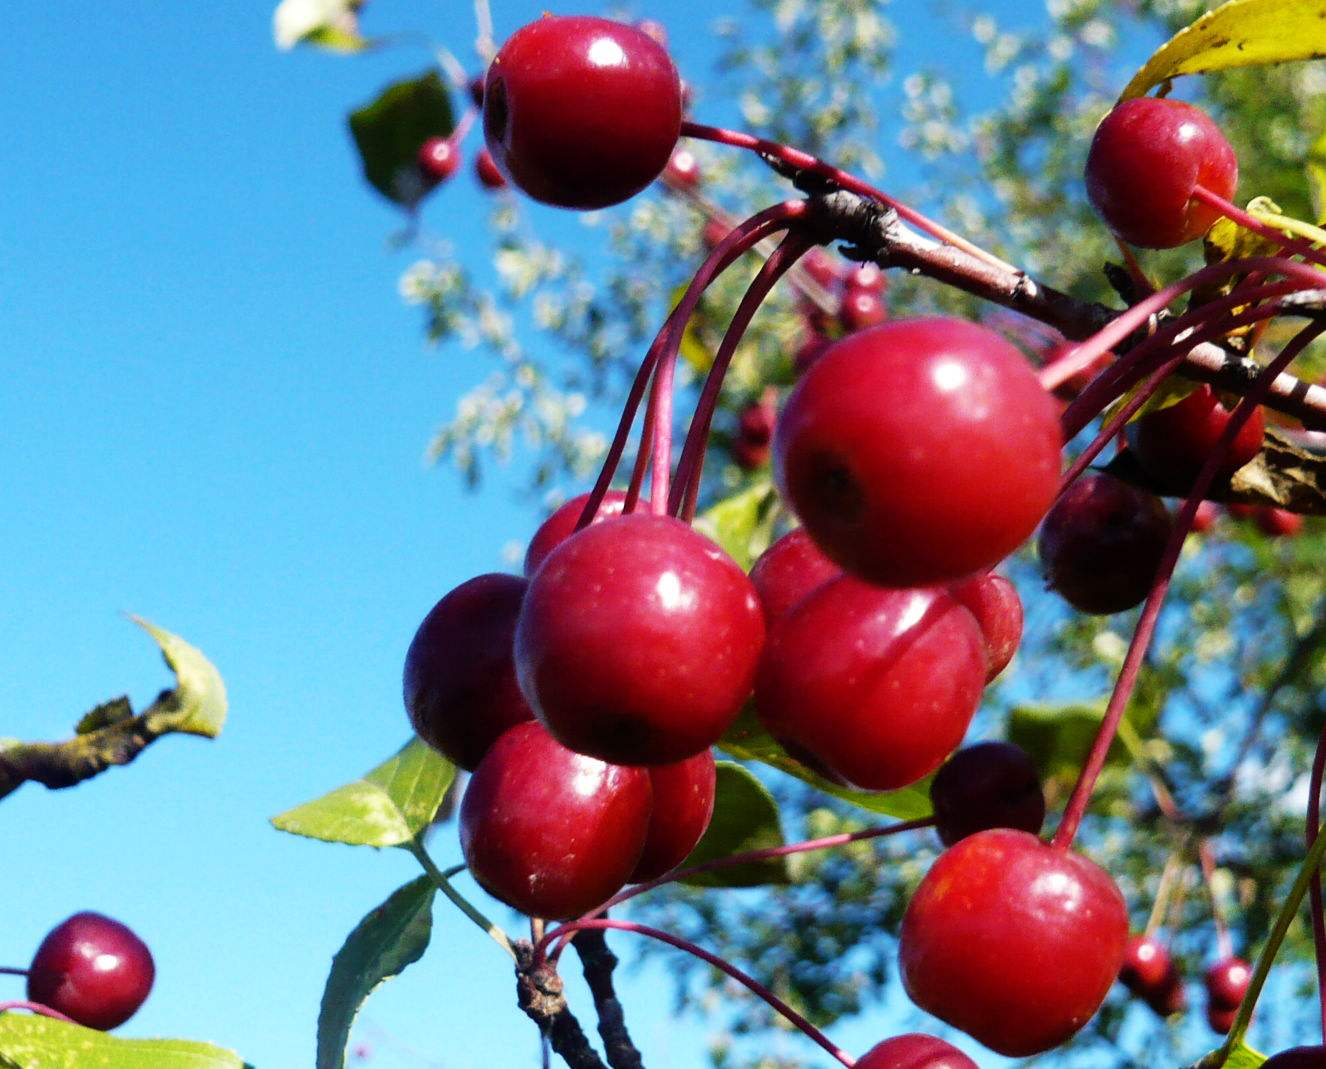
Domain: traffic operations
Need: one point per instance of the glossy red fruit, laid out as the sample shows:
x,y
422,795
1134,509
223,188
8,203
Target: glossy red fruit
x,y
889,447
683,170
486,171
638,640
989,785
715,230
581,112
558,527
1173,443
1102,542
1296,1058
751,455
1013,941
1169,999
548,831
868,277
914,1051
878,685
861,308
1147,965
1145,160
92,969
789,570
1208,512
1227,982
756,422
994,601
683,807
439,157
1279,523
460,684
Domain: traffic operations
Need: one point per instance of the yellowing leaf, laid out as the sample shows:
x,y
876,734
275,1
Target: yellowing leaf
x,y
1240,33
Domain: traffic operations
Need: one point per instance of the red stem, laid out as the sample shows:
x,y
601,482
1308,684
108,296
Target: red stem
x,y
1311,828
725,253
747,981
35,1007
8,970
691,464
1250,222
804,161
747,857
1146,624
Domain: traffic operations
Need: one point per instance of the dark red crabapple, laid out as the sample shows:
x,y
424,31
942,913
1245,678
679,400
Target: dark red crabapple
x,y
889,447
861,308
1149,973
558,527
715,230
988,785
1295,1058
878,685
1102,542
822,267
994,601
683,170
1241,511
683,807
1173,443
581,112
486,171
548,831
92,969
438,159
460,684
812,347
1220,1020
789,570
1013,941
1146,158
1278,523
756,422
1227,982
750,455
638,640
914,1050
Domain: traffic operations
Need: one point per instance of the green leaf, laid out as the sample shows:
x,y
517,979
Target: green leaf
x,y
391,937
1057,736
104,715
1240,33
389,806
745,818
29,1042
747,740
197,705
1316,168
390,131
329,24
1241,1057
743,523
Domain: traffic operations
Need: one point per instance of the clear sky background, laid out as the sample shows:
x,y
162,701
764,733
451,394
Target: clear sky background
x,y
213,413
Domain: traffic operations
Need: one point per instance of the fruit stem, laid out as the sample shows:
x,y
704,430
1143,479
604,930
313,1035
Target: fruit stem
x,y
35,1007
1313,827
1248,221
725,253
748,857
691,464
1146,624
442,880
748,982
1144,285
1288,911
1206,856
1173,866
804,161
8,970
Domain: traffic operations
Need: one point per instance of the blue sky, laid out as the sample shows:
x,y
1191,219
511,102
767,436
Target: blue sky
x,y
214,414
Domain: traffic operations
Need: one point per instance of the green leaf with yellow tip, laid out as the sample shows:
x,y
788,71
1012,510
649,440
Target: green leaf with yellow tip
x,y
1240,33
30,1042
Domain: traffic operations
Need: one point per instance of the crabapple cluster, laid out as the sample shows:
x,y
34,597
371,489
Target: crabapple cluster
x,y
911,457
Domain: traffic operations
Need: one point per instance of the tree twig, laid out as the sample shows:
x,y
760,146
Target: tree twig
x,y
598,962
539,994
